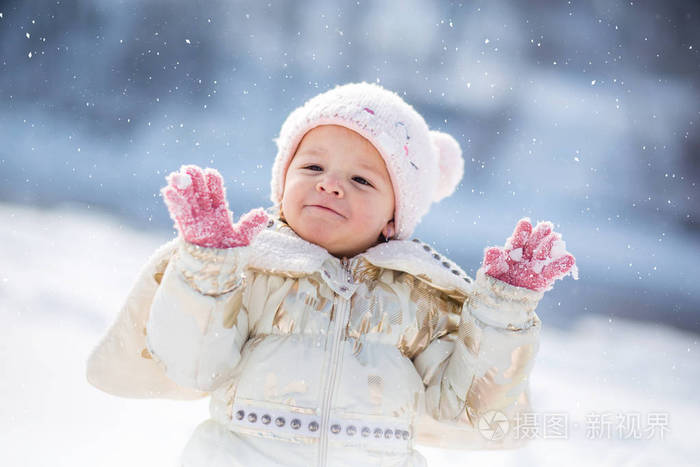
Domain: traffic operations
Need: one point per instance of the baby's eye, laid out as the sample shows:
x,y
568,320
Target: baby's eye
x,y
361,181
313,167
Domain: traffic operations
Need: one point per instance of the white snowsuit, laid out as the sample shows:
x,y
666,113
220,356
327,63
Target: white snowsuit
x,y
314,360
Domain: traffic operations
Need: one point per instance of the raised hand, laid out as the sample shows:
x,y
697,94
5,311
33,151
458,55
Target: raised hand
x,y
196,200
531,258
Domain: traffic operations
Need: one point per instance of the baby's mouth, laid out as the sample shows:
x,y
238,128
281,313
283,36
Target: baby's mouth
x,y
324,208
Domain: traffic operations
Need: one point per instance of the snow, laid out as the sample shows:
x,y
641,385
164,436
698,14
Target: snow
x,y
182,181
65,271
516,254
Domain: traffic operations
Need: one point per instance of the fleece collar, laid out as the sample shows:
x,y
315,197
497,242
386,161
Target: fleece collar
x,y
278,248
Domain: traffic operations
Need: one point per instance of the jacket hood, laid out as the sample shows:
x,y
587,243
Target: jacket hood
x,y
279,249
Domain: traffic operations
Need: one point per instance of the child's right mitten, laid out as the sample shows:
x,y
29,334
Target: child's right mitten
x,y
196,200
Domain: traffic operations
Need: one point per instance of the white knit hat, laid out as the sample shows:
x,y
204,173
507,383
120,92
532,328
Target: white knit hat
x,y
425,166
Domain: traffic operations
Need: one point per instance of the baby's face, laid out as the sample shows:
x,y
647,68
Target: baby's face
x,y
337,191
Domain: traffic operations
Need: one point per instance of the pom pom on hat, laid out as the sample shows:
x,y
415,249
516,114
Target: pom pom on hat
x,y
451,164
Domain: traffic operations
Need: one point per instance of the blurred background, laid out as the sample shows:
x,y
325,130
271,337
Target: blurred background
x,y
582,113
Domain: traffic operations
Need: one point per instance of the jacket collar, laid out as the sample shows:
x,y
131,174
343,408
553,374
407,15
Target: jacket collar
x,y
279,249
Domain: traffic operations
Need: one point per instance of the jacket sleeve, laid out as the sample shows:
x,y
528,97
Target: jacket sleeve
x,y
121,364
197,325
480,369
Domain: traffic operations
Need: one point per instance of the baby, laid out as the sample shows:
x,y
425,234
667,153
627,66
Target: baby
x,y
323,335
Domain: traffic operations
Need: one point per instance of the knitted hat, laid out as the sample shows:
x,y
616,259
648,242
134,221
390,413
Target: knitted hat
x,y
424,166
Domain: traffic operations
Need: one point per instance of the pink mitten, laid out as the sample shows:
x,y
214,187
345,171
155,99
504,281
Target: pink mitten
x,y
197,203
533,259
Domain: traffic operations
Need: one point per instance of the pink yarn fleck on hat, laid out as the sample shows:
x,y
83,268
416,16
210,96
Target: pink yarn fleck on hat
x,y
425,166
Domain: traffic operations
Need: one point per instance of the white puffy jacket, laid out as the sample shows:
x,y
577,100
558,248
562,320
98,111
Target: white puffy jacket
x,y
314,360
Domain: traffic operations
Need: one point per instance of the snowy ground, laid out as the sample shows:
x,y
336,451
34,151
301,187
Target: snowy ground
x,y
64,273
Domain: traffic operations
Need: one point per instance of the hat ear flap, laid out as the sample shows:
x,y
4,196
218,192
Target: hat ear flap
x,y
450,162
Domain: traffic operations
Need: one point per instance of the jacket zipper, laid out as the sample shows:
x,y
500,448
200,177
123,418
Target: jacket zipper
x,y
340,318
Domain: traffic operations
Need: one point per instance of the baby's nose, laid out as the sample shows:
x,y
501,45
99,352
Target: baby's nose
x,y
331,186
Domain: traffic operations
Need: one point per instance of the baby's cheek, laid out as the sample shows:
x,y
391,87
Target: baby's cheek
x,y
290,202
371,221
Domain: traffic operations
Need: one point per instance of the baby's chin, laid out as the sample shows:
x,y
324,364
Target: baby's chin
x,y
325,237
321,236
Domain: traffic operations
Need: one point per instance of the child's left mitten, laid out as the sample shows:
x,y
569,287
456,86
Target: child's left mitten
x,y
532,257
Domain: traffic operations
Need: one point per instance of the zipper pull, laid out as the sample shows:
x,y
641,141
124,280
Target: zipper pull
x,y
345,262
